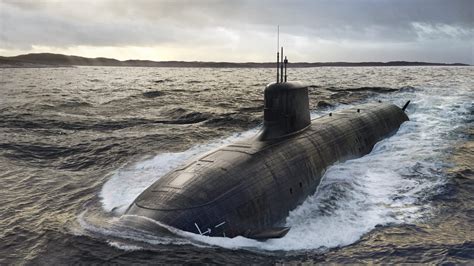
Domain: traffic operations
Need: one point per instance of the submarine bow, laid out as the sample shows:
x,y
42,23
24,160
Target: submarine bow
x,y
248,188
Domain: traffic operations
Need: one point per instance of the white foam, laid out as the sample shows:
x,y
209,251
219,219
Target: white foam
x,y
122,236
123,246
383,187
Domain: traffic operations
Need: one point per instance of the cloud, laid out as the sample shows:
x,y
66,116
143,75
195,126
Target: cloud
x,y
237,30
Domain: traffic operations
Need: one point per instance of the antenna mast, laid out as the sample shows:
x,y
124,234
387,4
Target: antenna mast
x,y
281,63
278,54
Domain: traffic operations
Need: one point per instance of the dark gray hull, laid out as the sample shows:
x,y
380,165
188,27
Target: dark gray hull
x,y
248,188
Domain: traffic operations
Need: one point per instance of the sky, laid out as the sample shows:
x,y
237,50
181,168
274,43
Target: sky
x,y
242,30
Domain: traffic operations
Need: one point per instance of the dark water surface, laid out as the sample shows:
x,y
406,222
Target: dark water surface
x,y
77,145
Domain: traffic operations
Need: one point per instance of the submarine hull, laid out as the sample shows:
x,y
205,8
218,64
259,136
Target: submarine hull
x,y
248,188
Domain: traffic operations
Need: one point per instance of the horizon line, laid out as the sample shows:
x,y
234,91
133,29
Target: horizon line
x,y
233,62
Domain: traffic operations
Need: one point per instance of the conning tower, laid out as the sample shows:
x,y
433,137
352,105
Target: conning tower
x,y
286,110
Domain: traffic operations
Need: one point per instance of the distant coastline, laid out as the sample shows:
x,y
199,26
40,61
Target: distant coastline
x,y
59,60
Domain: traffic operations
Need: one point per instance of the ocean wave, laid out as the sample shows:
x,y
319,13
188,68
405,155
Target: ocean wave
x,y
34,152
75,158
251,109
152,94
74,104
193,81
233,120
372,89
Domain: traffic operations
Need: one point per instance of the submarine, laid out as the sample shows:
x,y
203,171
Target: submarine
x,y
249,187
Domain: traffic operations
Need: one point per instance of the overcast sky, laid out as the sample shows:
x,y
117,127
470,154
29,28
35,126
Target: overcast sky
x,y
240,31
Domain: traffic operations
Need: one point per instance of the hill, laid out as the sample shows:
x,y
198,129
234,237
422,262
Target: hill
x,y
60,60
